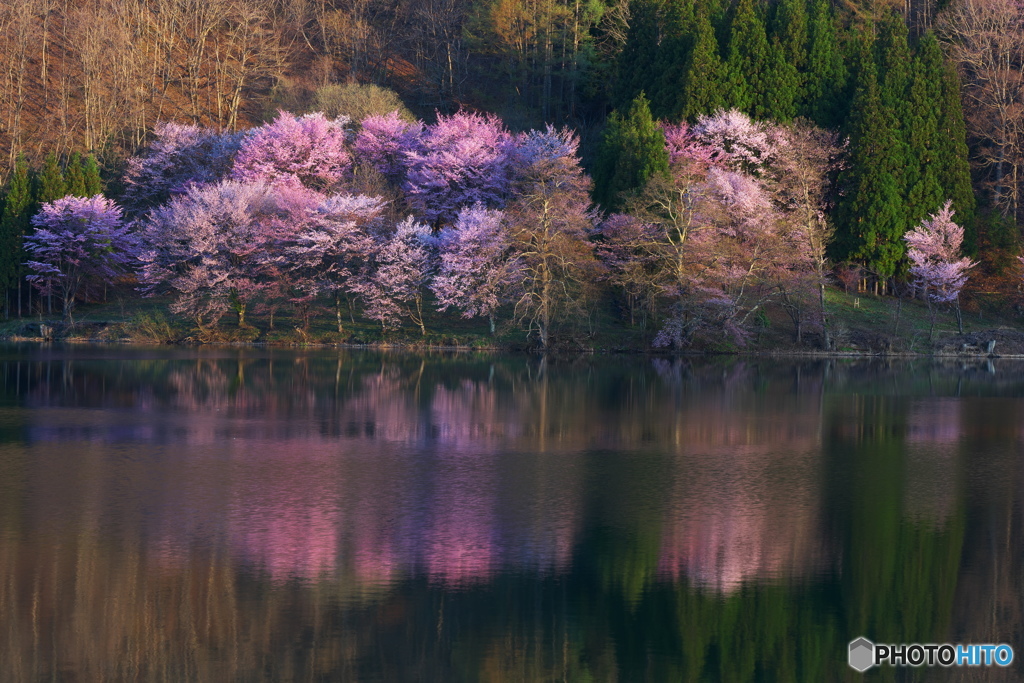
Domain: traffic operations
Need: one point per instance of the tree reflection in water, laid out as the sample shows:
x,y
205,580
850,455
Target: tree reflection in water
x,y
232,514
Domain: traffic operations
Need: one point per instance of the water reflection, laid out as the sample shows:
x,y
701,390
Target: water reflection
x,y
244,514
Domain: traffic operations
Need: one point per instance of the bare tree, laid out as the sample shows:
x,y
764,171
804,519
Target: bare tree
x,y
986,40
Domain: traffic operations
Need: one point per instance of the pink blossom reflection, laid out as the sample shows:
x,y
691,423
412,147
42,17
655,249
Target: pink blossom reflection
x,y
284,515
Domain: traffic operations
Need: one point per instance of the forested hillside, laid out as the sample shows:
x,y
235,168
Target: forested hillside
x,y
711,131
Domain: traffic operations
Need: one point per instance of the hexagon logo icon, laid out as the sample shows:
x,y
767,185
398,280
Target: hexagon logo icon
x,y
862,654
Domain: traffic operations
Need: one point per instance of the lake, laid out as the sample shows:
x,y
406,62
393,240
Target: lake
x,y
172,514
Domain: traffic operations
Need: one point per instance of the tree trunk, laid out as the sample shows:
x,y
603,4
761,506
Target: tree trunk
x,y
824,317
959,316
337,312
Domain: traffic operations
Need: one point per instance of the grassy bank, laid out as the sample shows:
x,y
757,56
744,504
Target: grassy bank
x,y
858,324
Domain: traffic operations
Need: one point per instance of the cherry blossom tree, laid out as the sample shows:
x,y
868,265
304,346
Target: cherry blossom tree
x,y
737,140
464,160
477,272
709,243
623,246
385,143
309,150
178,157
214,245
392,284
936,264
684,147
77,241
801,180
550,222
330,248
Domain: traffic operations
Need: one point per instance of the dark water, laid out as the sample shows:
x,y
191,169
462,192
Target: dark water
x,y
254,515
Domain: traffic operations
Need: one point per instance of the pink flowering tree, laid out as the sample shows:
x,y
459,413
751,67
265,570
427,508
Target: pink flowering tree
x,y
214,246
477,271
707,248
624,246
392,283
463,161
179,157
330,248
800,181
685,148
737,140
385,142
311,151
550,220
78,241
936,265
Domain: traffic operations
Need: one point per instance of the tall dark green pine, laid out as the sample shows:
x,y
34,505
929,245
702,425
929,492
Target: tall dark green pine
x,y
778,99
91,172
13,227
75,176
825,100
50,185
703,90
872,218
894,69
632,151
921,130
638,60
747,60
952,161
790,28
673,55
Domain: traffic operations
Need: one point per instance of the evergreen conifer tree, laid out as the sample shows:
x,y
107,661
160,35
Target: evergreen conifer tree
x,y
790,29
13,226
638,61
75,175
872,217
894,69
778,99
952,166
920,131
632,151
747,60
677,43
702,90
50,185
825,82
673,55
91,171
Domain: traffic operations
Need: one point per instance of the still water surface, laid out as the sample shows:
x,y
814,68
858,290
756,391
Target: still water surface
x,y
253,515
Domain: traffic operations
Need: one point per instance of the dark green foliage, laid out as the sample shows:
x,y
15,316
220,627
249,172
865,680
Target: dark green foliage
x,y
925,194
50,185
75,176
778,99
632,151
747,60
14,224
790,29
702,90
825,83
672,58
639,57
894,75
953,169
872,217
894,61
91,172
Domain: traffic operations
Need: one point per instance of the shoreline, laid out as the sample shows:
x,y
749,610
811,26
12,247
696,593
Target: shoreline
x,y
808,354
